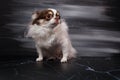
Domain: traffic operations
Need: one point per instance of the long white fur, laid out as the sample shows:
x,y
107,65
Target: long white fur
x,y
44,37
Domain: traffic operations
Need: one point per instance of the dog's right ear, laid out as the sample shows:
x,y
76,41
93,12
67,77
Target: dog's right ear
x,y
35,14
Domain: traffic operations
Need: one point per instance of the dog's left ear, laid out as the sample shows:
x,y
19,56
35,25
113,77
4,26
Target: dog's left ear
x,y
35,14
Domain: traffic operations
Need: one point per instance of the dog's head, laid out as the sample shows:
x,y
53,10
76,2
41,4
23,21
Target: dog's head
x,y
46,17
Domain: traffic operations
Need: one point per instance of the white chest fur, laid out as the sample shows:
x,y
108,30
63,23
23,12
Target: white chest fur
x,y
45,42
43,36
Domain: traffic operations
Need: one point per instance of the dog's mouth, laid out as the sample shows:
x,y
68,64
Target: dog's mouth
x,y
55,23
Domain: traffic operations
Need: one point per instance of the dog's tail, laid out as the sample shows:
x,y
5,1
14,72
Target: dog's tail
x,y
72,53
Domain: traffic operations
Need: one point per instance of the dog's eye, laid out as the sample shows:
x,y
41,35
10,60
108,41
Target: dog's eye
x,y
49,16
58,15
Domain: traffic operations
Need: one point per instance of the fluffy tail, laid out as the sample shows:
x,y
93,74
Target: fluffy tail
x,y
72,53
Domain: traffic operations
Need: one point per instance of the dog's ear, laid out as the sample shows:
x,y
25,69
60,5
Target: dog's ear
x,y
35,14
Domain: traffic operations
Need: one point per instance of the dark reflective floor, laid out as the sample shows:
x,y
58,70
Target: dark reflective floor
x,y
94,31
86,68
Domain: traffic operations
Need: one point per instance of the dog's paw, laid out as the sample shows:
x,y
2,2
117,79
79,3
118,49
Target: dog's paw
x,y
64,60
39,59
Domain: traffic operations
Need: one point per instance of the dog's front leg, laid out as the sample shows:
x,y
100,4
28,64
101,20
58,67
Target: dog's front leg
x,y
65,51
40,56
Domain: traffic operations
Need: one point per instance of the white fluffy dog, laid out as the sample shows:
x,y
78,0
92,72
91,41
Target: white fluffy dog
x,y
50,34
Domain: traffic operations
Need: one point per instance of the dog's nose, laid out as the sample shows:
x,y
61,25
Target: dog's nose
x,y
56,20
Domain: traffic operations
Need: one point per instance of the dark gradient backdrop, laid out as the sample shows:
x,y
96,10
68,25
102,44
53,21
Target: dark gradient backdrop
x,y
94,31
94,26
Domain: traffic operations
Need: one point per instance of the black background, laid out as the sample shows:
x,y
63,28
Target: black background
x,y
88,28
94,28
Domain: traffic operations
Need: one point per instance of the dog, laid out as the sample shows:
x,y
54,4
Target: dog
x,y
50,34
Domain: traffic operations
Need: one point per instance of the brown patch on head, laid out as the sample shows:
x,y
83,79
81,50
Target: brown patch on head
x,y
58,15
44,14
49,15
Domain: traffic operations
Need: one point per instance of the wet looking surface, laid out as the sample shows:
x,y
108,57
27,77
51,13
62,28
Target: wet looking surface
x,y
94,31
77,69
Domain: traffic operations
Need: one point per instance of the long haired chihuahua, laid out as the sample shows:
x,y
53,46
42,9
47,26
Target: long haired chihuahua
x,y
50,34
